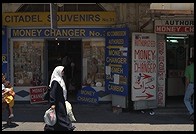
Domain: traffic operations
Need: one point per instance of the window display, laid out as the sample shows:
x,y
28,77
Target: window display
x,y
93,63
27,63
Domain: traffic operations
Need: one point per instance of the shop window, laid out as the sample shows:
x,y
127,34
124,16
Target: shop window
x,y
93,63
27,63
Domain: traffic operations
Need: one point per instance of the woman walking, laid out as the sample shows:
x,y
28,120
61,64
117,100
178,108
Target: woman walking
x,y
58,96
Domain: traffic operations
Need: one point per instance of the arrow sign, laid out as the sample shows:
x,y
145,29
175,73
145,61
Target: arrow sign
x,y
146,76
113,47
147,96
115,65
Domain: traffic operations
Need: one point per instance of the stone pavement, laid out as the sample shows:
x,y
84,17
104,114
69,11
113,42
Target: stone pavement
x,y
100,117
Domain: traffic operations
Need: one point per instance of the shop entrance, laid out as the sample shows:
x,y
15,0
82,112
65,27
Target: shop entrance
x,y
177,49
57,49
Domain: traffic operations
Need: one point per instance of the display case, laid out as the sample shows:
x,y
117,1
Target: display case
x,y
28,63
93,63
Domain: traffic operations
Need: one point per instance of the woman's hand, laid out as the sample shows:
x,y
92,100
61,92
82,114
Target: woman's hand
x,y
53,107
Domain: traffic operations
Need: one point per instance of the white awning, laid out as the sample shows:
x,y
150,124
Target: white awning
x,y
172,6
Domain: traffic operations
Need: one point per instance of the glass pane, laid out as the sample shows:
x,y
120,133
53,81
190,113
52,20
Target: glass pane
x,y
93,63
27,60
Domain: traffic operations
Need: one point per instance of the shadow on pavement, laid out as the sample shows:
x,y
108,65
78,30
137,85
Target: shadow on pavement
x,y
11,125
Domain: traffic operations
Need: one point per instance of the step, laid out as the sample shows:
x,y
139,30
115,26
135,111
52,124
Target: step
x,y
171,110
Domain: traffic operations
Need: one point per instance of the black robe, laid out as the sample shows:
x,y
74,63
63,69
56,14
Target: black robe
x,y
56,98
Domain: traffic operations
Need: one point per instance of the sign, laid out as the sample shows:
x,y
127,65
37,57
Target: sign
x,y
161,70
4,59
117,63
4,51
174,26
175,73
62,32
43,19
87,95
144,66
37,93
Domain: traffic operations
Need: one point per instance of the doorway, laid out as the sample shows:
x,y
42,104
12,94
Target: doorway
x,y
176,59
56,52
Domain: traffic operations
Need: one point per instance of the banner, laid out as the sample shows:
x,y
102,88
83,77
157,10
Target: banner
x,y
43,19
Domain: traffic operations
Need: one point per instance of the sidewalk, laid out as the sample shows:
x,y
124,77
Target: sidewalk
x,y
101,118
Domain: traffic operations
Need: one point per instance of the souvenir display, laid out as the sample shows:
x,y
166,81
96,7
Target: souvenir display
x,y
27,57
93,63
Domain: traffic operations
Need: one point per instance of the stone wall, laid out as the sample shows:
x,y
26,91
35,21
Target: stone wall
x,y
133,15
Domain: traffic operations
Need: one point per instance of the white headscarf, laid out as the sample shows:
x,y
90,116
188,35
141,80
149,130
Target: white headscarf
x,y
57,75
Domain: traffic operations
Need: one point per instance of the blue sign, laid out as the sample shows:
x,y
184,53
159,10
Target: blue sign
x,y
4,50
116,61
87,95
61,32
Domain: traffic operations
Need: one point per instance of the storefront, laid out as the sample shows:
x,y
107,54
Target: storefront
x,y
106,68
178,34
36,49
